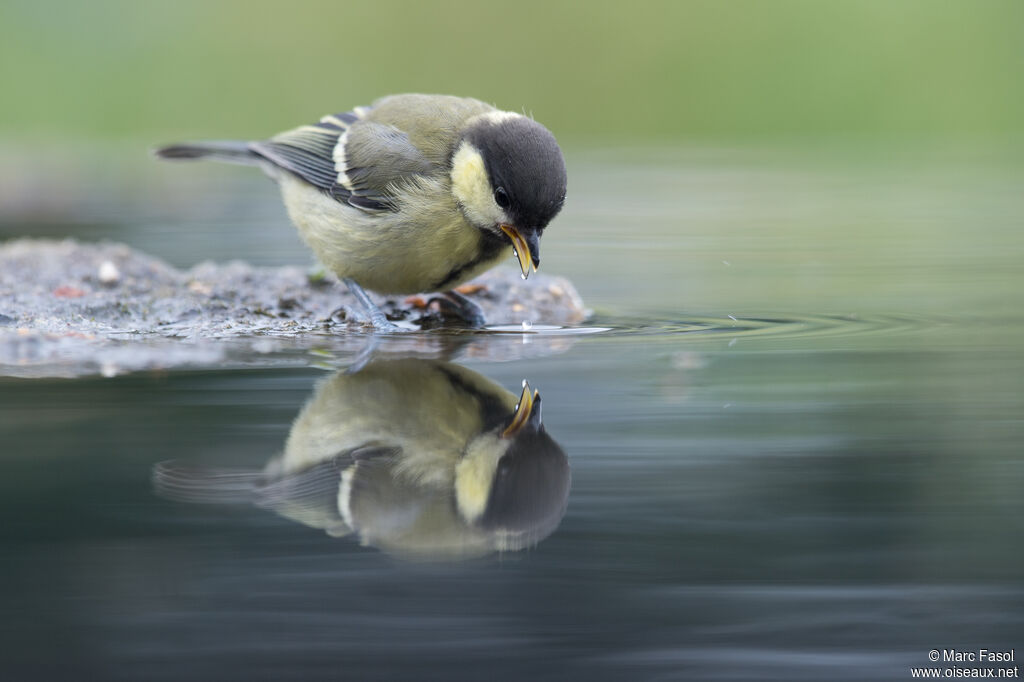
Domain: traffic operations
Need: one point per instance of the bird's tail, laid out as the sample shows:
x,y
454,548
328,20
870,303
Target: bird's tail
x,y
175,480
231,151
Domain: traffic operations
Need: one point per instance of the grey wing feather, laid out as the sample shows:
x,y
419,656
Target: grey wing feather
x,y
310,496
308,152
378,158
371,161
317,479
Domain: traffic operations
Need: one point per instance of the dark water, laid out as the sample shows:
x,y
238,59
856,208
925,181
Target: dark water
x,y
827,486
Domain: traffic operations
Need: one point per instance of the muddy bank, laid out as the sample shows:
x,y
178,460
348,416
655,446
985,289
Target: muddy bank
x,y
64,303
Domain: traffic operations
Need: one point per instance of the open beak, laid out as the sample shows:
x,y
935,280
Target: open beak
x,y
527,412
527,248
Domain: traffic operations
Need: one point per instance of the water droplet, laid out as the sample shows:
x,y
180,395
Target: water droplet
x,y
524,383
527,325
515,253
523,275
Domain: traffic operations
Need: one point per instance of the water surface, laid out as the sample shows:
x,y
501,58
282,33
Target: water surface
x,y
795,448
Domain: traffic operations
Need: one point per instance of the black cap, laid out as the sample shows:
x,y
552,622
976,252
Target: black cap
x,y
530,490
523,159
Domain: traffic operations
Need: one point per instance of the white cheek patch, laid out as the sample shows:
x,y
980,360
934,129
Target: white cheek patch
x,y
472,187
474,475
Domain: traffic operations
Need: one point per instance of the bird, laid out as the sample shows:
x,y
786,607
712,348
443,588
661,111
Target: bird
x,y
414,193
423,459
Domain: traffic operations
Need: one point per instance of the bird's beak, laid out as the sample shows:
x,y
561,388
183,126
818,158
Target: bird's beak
x,y
527,413
527,247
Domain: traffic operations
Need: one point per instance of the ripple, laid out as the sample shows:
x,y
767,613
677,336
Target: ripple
x,y
775,326
545,330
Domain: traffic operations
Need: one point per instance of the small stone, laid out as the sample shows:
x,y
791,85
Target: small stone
x,y
318,276
197,287
109,274
66,291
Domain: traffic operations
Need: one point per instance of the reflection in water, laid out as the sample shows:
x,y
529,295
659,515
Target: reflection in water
x,y
423,459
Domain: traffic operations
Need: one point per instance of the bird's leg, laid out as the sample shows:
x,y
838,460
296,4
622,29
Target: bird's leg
x,y
364,356
462,307
378,319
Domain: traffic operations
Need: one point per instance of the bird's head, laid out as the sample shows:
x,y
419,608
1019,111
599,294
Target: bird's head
x,y
508,177
513,481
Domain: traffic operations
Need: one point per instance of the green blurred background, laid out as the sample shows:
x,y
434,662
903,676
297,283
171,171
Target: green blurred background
x,y
597,73
725,157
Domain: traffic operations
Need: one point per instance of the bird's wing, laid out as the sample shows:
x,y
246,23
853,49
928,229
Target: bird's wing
x,y
373,159
362,156
308,152
398,139
355,160
431,123
310,496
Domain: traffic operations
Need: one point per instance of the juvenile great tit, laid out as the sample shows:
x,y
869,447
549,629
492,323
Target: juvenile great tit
x,y
423,459
414,193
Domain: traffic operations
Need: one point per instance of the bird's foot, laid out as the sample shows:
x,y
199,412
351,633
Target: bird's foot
x,y
381,323
378,319
452,304
344,314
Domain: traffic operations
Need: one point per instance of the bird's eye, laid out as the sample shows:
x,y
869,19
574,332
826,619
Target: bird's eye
x,y
501,197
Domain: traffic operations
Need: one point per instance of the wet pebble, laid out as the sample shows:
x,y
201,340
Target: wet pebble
x,y
109,274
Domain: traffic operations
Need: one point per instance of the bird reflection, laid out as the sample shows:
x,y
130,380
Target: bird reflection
x,y
423,459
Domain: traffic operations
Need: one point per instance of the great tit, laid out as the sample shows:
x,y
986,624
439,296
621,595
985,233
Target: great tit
x,y
423,459
414,193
